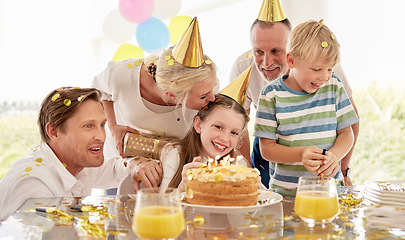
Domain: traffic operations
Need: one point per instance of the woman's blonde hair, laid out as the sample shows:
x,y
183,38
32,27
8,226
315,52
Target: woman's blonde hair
x,y
311,40
178,78
191,146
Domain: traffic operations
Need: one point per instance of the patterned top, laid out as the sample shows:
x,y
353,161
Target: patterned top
x,y
301,119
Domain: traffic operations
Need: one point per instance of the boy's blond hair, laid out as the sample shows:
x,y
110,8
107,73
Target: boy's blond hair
x,y
311,40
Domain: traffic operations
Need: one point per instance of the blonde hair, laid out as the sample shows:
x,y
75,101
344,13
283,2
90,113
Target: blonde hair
x,y
311,40
178,78
191,146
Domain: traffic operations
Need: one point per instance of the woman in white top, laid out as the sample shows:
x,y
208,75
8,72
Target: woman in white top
x,y
159,94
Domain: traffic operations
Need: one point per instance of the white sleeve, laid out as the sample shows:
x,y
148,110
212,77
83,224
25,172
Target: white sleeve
x,y
170,158
101,82
235,71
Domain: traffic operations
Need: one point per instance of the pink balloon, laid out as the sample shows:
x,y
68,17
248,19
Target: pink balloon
x,y
137,11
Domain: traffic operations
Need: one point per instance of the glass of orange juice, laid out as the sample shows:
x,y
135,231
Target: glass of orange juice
x,y
158,215
316,201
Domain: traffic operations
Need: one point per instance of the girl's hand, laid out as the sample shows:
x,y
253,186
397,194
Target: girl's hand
x,y
196,163
312,158
118,132
330,166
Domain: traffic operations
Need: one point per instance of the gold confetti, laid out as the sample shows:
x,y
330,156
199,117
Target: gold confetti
x,y
333,36
348,224
198,221
56,96
28,169
167,57
253,226
93,230
209,62
349,200
170,62
324,44
39,160
139,62
218,177
64,164
67,102
80,98
130,66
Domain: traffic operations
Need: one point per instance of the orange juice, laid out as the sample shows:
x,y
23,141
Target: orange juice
x,y
159,222
316,205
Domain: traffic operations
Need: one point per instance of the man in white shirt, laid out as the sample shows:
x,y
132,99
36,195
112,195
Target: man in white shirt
x,y
69,161
268,55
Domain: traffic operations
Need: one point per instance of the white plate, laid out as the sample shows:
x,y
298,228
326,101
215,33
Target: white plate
x,y
382,197
266,198
370,199
374,187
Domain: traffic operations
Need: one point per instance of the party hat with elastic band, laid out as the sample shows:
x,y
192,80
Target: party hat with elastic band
x,y
237,89
271,11
188,50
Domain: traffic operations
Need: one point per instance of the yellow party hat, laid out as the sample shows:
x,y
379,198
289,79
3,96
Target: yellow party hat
x,y
237,89
188,50
271,11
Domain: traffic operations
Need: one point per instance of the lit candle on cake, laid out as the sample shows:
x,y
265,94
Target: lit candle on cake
x,y
217,160
210,160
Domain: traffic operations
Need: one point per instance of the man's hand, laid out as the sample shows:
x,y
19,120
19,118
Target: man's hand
x,y
146,171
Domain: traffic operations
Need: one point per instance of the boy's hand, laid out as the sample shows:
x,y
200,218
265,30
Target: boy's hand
x,y
312,158
330,166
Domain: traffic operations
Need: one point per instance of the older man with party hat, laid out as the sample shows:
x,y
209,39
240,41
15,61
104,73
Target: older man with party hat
x,y
269,35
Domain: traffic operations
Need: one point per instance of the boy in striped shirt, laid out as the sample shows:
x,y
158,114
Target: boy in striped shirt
x,y
302,113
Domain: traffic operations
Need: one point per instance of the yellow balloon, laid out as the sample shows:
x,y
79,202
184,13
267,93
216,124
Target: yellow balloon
x,y
126,51
177,26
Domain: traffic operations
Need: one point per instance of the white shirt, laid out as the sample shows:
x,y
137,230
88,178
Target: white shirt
x,y
257,82
40,174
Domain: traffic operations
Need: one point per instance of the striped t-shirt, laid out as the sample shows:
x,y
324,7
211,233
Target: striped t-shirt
x,y
297,119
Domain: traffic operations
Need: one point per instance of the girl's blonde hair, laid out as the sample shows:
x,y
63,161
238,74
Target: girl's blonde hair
x,y
178,78
191,146
311,40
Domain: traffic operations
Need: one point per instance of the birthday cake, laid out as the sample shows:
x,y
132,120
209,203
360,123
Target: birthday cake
x,y
222,184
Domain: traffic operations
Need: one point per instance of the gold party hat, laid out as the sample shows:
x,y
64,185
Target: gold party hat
x,y
237,89
271,11
188,50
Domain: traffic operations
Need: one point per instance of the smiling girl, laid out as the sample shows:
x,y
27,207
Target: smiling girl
x,y
216,131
